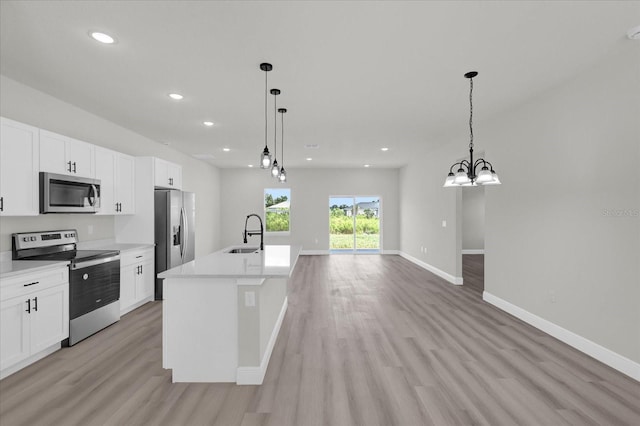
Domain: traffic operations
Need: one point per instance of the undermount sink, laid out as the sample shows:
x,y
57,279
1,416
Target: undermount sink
x,y
243,250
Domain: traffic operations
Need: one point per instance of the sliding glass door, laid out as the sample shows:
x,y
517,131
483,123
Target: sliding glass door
x,y
354,224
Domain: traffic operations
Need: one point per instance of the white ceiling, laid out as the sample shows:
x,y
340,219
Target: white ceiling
x,y
355,76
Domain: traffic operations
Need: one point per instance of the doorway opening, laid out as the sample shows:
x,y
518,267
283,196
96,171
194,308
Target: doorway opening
x,y
473,212
354,224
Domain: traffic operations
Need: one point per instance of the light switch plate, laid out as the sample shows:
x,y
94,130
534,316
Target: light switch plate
x,y
444,223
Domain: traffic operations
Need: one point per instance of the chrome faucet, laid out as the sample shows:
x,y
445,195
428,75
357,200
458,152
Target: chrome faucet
x,y
255,231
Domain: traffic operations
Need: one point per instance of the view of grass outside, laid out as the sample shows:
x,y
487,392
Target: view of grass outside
x,y
341,224
277,206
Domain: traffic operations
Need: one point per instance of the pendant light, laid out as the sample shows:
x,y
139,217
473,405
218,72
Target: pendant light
x,y
265,157
275,171
466,173
282,177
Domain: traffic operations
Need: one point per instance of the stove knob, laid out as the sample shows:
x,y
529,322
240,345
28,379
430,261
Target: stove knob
x,y
25,239
33,238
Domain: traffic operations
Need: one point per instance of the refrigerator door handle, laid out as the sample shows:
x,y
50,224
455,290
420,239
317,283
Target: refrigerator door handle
x,y
183,233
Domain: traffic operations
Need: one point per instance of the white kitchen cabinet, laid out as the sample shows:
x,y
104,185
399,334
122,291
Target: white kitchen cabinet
x,y
137,278
167,175
34,316
19,166
67,156
116,172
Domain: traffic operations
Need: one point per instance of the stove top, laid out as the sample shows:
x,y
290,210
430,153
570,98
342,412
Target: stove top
x,y
54,245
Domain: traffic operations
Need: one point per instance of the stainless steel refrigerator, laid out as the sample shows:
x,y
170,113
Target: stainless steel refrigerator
x,y
175,219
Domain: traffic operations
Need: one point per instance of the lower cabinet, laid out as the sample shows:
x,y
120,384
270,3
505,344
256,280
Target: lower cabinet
x,y
34,316
136,278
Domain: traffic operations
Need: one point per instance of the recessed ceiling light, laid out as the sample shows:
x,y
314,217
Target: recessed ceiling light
x,y
226,149
634,33
208,123
102,37
309,158
175,96
367,165
250,165
384,149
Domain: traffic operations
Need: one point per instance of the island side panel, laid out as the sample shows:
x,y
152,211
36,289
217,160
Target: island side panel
x,y
201,329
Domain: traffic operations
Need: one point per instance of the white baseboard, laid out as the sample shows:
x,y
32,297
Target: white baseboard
x,y
473,251
255,375
314,252
393,252
433,269
28,361
594,350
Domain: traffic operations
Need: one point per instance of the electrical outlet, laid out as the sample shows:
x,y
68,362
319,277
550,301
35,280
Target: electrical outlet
x,y
249,298
444,223
90,229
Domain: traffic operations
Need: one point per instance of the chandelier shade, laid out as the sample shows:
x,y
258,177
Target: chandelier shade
x,y
465,174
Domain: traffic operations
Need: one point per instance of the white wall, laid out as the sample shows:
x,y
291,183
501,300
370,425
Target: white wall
x,y
243,193
473,218
565,159
25,104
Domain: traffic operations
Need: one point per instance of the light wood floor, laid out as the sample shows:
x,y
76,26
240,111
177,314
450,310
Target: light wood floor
x,y
367,340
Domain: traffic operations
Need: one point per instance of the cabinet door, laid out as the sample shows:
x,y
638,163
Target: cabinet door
x,y
14,331
128,286
49,317
161,173
82,157
53,158
105,171
175,175
125,183
19,165
144,281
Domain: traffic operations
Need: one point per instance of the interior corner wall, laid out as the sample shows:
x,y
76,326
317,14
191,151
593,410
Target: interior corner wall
x,y
430,217
563,230
25,104
473,218
243,193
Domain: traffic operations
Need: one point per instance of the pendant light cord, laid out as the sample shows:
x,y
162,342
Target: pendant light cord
x,y
266,90
471,112
282,127
275,127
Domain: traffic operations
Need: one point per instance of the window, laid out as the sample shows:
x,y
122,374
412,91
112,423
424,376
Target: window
x,y
277,205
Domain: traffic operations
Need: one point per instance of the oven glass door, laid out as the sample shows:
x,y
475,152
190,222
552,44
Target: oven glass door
x,y
92,287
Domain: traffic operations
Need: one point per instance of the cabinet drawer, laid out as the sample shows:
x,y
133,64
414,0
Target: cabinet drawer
x,y
30,282
136,256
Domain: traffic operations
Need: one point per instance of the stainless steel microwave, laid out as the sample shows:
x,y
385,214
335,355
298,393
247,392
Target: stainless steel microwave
x,y
68,194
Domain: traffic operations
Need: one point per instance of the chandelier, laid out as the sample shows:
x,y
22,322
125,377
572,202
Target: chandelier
x,y
466,173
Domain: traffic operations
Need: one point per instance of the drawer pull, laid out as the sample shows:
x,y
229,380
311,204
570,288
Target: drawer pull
x,y
138,257
33,283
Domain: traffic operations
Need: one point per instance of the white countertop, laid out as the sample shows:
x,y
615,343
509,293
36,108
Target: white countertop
x,y
111,245
12,268
276,261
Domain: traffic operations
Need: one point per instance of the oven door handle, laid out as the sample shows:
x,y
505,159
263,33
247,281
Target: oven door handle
x,y
87,263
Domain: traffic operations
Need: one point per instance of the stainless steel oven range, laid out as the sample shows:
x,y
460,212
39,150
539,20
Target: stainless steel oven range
x,y
94,278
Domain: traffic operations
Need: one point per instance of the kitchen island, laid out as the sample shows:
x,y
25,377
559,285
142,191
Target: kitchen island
x,y
222,313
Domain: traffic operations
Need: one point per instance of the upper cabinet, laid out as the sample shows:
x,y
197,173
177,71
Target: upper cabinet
x,y
64,155
18,169
116,172
167,175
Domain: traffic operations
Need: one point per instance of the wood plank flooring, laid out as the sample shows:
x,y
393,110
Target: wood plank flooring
x,y
367,340
473,272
